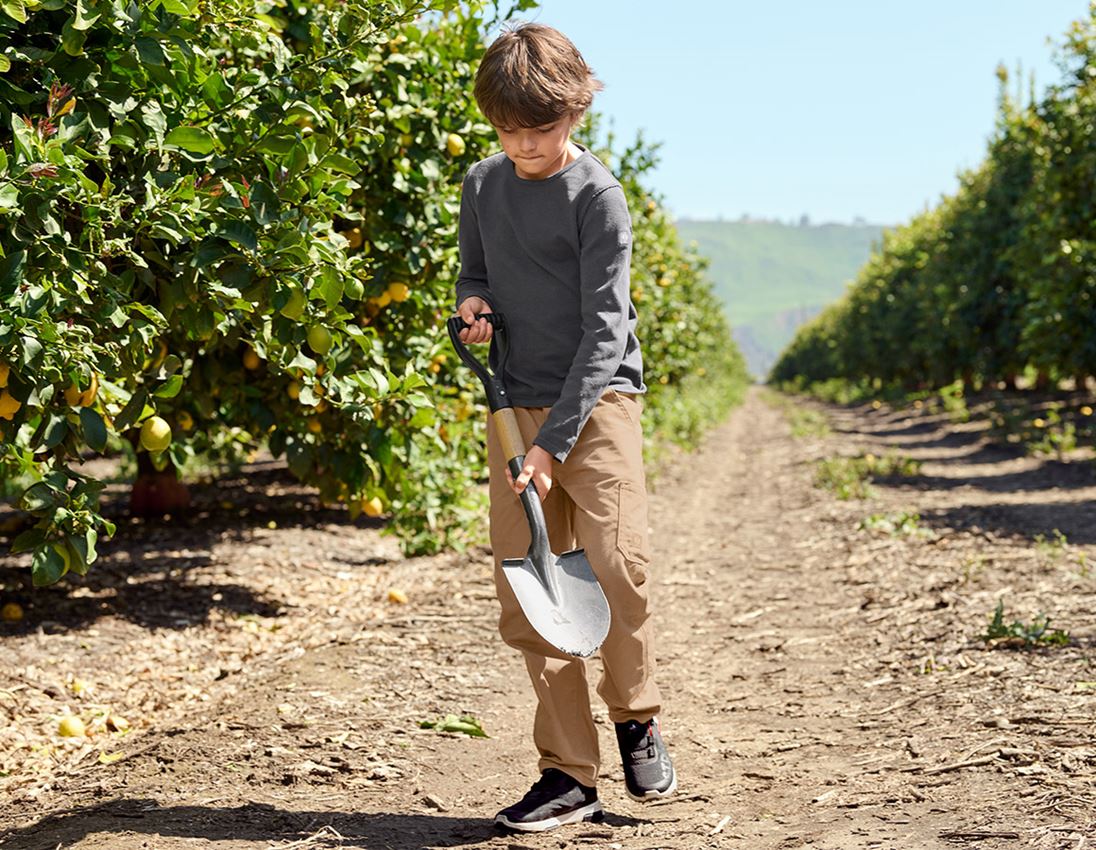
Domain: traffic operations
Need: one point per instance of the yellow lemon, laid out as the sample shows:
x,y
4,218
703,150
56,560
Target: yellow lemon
x,y
397,596
8,405
12,612
87,397
71,726
454,144
319,339
354,237
4,370
384,299
185,420
398,291
1086,411
251,360
372,507
72,395
155,434
1039,423
315,426
293,390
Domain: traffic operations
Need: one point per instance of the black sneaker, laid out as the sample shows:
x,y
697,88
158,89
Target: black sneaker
x,y
648,770
554,799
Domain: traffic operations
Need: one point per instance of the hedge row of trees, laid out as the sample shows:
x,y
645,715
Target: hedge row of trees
x,y
999,278
226,224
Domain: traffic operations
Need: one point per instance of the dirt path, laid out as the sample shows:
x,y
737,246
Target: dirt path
x,y
825,683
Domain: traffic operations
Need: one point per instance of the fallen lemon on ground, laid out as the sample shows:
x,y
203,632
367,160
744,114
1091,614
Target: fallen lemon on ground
x,y
155,434
71,726
372,507
397,596
12,612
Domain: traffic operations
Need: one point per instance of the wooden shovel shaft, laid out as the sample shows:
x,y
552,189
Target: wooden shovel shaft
x,y
506,425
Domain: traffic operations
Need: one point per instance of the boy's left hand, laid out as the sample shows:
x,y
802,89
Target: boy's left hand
x,y
538,467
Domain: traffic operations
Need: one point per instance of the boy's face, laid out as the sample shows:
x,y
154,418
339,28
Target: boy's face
x,y
538,152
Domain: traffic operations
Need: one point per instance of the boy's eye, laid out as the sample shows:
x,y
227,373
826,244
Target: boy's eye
x,y
547,129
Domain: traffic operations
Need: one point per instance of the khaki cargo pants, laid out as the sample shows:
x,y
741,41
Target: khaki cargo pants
x,y
598,502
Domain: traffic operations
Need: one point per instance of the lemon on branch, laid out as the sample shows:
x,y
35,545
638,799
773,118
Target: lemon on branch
x,y
319,339
185,420
155,434
454,144
251,360
4,370
398,291
8,405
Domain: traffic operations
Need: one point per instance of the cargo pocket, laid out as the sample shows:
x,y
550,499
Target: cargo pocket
x,y
632,539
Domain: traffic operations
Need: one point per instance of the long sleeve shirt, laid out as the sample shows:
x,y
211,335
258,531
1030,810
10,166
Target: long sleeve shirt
x,y
553,257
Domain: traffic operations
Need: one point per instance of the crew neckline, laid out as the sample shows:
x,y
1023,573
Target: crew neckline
x,y
550,177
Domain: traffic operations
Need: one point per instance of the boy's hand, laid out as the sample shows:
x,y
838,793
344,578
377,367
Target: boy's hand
x,y
538,467
481,329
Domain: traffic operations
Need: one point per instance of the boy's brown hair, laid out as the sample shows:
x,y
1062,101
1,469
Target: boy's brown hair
x,y
533,75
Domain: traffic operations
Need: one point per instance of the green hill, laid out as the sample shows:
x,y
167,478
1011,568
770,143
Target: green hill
x,y
772,276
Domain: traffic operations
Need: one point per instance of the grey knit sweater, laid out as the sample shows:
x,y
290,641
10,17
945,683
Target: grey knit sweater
x,y
553,257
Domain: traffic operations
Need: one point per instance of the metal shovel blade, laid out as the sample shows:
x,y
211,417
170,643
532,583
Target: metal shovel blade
x,y
572,614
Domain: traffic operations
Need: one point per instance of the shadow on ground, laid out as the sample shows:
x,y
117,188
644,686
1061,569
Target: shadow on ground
x,y
261,822
142,572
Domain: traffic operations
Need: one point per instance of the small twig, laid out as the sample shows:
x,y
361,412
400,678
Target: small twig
x,y
718,828
977,835
961,764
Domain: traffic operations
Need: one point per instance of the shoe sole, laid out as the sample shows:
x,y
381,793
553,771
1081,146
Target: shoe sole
x,y
592,812
654,795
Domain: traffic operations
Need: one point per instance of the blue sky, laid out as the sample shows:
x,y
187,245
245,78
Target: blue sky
x,y
834,109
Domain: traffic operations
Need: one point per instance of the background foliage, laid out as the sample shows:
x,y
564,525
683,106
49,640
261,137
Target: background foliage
x,y
998,278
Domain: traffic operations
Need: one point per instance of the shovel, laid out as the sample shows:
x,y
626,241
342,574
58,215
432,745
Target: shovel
x,y
559,594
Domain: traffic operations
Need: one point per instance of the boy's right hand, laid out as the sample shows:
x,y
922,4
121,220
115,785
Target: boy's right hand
x,y
469,311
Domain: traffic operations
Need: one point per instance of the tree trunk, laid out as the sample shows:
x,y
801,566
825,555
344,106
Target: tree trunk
x,y
156,493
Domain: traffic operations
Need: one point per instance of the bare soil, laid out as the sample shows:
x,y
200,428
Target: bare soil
x,y
248,686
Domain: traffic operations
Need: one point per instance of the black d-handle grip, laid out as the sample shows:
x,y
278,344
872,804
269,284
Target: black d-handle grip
x,y
497,397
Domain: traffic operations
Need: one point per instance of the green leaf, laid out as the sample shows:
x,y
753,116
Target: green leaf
x,y
330,287
150,50
47,566
95,429
132,411
242,233
28,540
5,64
170,388
9,196
83,20
39,497
192,139
15,9
72,39
341,163
178,7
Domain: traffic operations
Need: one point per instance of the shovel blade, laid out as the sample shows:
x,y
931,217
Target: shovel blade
x,y
575,617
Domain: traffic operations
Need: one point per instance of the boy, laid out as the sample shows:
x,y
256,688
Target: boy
x,y
545,239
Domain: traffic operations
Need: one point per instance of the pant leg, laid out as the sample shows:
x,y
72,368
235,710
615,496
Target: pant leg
x,y
605,479
563,729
